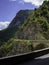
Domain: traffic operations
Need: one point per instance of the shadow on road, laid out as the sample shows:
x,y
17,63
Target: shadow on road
x,y
44,61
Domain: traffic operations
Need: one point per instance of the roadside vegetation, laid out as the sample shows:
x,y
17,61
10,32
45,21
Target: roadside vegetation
x,y
14,47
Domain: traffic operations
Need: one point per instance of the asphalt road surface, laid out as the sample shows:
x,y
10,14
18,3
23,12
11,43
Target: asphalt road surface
x,y
43,60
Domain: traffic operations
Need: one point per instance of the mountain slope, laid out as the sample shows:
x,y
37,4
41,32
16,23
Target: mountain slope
x,y
28,27
36,27
29,24
19,19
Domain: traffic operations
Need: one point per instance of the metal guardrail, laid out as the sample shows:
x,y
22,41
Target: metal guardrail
x,y
23,57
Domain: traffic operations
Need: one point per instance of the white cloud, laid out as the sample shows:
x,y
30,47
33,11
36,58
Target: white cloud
x,y
35,2
4,25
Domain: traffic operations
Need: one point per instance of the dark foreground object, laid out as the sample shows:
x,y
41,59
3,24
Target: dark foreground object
x,y
44,61
18,59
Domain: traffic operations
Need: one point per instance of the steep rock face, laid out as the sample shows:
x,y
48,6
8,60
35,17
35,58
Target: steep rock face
x,y
36,27
21,16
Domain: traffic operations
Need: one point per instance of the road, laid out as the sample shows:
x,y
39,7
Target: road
x,y
43,60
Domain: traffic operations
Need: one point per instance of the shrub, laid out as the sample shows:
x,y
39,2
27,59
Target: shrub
x,y
41,46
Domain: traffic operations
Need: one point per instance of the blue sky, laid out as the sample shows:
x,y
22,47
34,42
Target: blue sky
x,y
9,8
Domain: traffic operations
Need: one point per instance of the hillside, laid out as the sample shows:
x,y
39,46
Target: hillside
x,y
19,19
13,47
28,25
36,27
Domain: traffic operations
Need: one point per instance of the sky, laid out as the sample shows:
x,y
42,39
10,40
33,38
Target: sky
x,y
9,8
